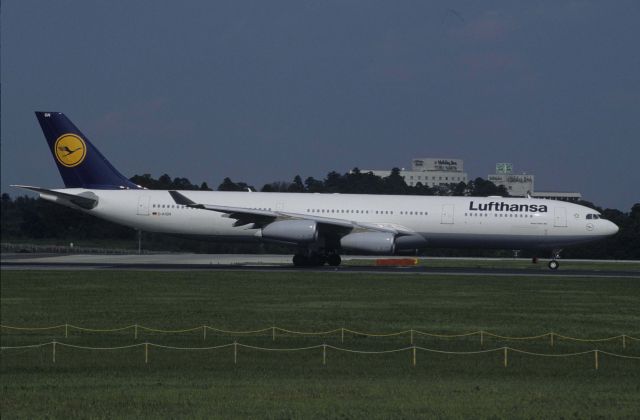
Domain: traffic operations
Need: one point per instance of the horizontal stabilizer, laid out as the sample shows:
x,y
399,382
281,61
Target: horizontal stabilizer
x,y
86,200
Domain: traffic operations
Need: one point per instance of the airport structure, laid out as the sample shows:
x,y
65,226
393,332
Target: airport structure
x,y
436,172
521,185
431,172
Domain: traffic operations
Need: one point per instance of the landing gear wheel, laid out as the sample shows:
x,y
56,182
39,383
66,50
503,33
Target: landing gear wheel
x,y
553,264
334,260
315,260
300,260
312,260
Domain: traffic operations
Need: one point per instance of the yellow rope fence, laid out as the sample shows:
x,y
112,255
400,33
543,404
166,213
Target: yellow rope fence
x,y
553,336
236,346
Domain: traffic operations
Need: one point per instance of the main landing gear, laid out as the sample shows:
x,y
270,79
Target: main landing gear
x,y
315,259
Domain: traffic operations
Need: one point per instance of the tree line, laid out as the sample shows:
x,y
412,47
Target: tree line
x,y
27,219
357,182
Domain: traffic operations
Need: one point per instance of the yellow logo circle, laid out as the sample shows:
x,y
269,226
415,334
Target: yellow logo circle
x,y
70,150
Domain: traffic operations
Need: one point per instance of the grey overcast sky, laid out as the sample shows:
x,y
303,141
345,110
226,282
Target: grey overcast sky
x,y
263,90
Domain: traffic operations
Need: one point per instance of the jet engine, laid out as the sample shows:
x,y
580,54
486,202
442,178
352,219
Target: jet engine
x,y
371,242
291,231
410,242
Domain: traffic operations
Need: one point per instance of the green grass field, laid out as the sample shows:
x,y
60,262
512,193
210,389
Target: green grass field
x,y
118,383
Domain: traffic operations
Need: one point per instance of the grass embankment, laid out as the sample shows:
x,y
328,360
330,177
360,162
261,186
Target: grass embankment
x,y
174,383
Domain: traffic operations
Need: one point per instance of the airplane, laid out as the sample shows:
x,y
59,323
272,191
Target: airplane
x,y
320,226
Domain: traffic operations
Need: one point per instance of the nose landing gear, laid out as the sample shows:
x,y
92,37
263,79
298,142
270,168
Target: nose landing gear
x,y
555,255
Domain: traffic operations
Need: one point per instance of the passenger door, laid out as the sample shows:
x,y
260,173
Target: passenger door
x,y
560,217
447,214
143,206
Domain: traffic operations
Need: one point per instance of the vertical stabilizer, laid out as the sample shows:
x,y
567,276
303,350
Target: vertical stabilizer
x,y
80,163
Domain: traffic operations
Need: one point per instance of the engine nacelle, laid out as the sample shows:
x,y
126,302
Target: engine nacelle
x,y
410,242
291,231
370,242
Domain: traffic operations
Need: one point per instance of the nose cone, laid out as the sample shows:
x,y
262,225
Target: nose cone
x,y
610,228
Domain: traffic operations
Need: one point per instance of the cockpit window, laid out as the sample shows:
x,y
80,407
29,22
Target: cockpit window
x,y
592,216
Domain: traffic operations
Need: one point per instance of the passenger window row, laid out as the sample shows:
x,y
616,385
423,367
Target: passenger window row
x,y
343,211
498,215
351,211
169,206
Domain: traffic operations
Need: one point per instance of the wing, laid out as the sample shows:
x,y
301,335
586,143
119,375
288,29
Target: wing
x,y
243,216
261,218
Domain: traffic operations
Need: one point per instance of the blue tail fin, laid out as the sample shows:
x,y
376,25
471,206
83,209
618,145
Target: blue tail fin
x,y
81,165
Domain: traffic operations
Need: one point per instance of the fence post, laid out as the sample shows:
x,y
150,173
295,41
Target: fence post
x,y
411,336
66,330
596,357
146,352
273,333
551,335
54,351
135,332
204,332
481,338
235,352
624,342
414,356
342,335
324,354
505,356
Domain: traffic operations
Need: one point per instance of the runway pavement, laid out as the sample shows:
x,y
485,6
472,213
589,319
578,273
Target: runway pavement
x,y
164,262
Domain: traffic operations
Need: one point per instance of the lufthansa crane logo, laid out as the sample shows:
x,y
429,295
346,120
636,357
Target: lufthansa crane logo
x,y
70,150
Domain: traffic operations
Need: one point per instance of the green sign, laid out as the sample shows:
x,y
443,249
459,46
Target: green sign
x,y
504,168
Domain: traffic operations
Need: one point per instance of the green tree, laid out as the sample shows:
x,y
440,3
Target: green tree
x,y
333,183
229,185
296,185
394,183
313,185
483,188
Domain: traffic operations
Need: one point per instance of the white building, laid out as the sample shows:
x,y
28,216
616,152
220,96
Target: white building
x,y
518,185
521,185
431,172
557,195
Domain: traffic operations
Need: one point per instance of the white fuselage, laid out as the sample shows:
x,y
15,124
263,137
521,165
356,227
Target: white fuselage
x,y
511,223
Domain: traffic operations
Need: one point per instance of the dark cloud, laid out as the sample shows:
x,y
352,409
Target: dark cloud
x,y
261,91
